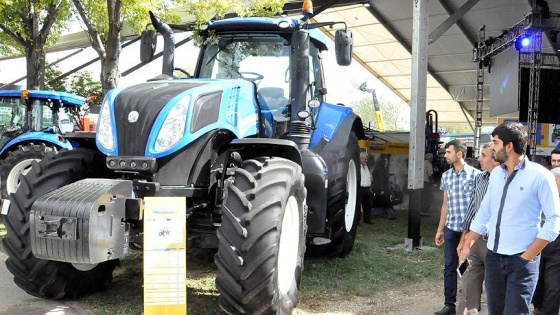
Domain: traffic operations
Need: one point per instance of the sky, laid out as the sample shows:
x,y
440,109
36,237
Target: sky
x,y
341,82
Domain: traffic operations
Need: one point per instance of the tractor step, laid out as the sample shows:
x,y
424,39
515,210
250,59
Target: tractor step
x,y
320,241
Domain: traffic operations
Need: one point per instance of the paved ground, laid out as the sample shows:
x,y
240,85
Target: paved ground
x,y
13,300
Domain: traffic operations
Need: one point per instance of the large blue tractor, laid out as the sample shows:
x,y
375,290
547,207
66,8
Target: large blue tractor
x,y
32,122
267,168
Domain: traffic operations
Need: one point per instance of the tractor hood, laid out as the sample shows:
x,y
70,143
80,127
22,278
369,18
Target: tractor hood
x,y
158,118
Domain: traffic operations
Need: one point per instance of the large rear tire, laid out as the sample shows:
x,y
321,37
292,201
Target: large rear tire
x,y
262,238
45,278
18,162
343,206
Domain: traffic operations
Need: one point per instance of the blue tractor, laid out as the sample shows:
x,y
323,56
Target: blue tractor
x,y
267,168
32,122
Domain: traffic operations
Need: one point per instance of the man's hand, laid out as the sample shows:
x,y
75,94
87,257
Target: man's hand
x,y
464,253
460,246
439,238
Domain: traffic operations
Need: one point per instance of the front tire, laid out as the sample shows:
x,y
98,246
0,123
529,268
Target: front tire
x,y
343,206
262,238
18,162
40,277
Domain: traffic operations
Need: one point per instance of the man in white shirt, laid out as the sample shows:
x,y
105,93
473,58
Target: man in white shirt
x,y
365,188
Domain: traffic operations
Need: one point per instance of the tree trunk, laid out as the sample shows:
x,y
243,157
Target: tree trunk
x,y
35,67
109,74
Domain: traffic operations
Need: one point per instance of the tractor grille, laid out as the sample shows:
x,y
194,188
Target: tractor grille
x,y
148,99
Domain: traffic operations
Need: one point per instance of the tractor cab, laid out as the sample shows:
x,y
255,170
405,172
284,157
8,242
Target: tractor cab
x,y
242,52
32,110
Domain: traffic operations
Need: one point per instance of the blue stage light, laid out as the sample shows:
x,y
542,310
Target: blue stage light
x,y
523,42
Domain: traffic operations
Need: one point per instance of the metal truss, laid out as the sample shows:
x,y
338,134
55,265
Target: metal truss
x,y
534,87
479,95
533,24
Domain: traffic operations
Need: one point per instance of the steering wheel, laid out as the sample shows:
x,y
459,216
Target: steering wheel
x,y
185,72
251,76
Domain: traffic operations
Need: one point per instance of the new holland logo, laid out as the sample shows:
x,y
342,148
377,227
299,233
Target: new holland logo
x,y
133,116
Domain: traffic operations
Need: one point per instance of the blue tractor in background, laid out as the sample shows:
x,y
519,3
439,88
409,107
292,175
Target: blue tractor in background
x,y
32,122
267,167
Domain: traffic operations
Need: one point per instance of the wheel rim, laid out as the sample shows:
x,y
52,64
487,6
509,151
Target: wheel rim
x,y
289,243
12,182
352,191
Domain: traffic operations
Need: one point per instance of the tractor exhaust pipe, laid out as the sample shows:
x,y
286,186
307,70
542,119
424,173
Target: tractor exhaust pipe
x,y
300,133
168,44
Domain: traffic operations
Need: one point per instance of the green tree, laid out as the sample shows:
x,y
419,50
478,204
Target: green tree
x,y
104,22
395,116
59,85
206,10
28,27
81,83
84,85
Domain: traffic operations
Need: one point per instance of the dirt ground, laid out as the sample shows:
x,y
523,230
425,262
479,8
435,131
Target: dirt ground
x,y
418,299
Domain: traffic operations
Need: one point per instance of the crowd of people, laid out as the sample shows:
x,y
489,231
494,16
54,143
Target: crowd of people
x,y
504,221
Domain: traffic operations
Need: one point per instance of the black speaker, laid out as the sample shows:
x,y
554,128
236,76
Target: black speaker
x,y
549,95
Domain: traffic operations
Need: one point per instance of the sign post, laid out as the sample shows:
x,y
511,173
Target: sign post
x,y
165,263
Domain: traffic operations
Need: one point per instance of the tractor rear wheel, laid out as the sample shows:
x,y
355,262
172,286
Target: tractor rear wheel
x,y
18,162
343,206
262,238
46,278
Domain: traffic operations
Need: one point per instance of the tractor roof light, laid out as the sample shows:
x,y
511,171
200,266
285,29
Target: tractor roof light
x,y
25,94
307,8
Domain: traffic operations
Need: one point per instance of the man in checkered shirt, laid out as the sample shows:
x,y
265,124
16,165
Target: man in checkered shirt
x,y
457,184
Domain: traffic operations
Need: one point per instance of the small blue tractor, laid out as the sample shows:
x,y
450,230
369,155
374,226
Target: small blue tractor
x,y
32,122
267,167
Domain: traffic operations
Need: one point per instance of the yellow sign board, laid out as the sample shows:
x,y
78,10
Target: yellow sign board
x,y
165,256
382,147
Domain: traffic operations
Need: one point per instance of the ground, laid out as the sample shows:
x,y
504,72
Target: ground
x,y
418,299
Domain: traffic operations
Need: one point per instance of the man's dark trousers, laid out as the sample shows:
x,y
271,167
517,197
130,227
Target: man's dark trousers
x,y
451,241
365,200
549,287
510,283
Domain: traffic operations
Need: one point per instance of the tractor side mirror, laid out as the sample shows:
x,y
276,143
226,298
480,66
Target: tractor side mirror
x,y
343,47
148,41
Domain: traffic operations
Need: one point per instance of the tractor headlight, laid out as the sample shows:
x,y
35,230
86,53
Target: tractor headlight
x,y
173,128
105,127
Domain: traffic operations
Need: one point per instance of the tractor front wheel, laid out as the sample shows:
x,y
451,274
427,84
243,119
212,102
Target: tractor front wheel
x,y
18,162
262,238
40,277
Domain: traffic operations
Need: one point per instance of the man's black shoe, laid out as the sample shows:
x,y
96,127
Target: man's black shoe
x,y
368,222
446,310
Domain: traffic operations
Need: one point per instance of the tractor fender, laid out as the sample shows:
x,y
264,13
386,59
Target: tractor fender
x,y
250,148
36,136
333,126
315,171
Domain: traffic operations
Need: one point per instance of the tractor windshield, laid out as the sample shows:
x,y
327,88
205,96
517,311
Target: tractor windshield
x,y
42,115
262,59
12,114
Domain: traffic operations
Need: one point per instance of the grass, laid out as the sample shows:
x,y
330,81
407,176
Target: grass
x,y
370,268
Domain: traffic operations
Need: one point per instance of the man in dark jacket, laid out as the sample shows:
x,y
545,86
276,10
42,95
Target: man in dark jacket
x,y
546,299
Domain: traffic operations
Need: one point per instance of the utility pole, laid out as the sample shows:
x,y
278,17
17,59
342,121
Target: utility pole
x,y
417,120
